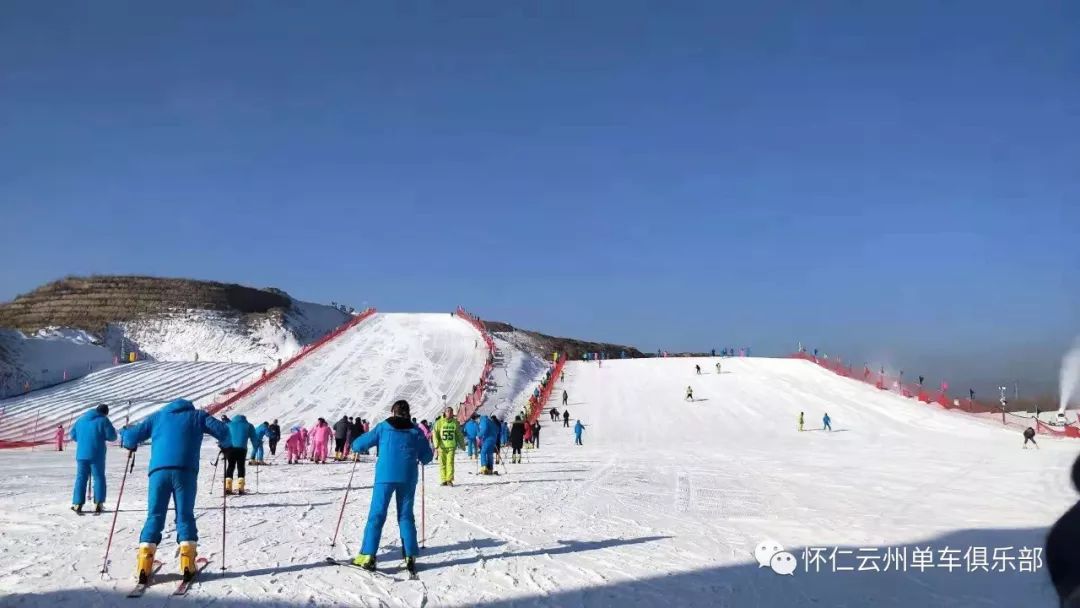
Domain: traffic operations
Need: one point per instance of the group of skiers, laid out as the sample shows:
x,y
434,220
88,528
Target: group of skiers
x,y
826,422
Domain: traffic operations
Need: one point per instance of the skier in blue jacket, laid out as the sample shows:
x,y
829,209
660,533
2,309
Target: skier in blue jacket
x,y
472,431
91,431
176,433
578,429
489,441
257,443
241,433
401,446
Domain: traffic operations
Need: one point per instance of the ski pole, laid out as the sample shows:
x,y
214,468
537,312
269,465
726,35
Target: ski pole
x,y
257,467
348,488
224,509
128,466
423,511
214,478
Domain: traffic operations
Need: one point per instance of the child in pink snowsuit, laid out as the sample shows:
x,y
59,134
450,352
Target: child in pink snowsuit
x,y
59,438
305,445
294,445
321,438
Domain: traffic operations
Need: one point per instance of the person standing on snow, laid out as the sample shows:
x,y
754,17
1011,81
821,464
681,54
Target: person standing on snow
x,y
489,437
718,368
697,368
828,423
306,449
536,434
401,447
176,433
578,429
274,435
59,436
471,430
357,430
320,441
1029,435
91,431
294,445
504,439
448,438
517,440
800,422
341,433
565,398
566,419
689,393
241,433
257,444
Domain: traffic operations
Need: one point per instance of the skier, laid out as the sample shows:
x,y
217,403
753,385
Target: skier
x,y
517,440
257,444
91,431
175,432
565,398
448,438
401,446
241,433
689,393
554,414
294,445
341,432
536,434
348,438
718,368
471,430
504,435
566,419
274,435
357,430
1029,435
828,422
320,441
306,445
697,368
59,435
562,377
800,422
489,436
578,428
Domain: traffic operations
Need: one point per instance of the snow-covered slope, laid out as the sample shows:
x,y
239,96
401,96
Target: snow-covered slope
x,y
516,373
662,506
215,336
132,391
418,357
43,358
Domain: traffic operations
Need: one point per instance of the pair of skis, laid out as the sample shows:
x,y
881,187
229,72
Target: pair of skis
x,y
181,588
413,576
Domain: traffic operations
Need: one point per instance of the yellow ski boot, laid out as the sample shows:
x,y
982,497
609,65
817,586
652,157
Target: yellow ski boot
x,y
240,486
144,562
228,486
188,554
367,562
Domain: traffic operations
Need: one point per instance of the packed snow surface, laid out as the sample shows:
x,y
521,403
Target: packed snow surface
x,y
131,391
417,357
43,357
664,503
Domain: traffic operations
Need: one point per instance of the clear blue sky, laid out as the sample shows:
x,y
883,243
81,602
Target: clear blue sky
x,y
892,180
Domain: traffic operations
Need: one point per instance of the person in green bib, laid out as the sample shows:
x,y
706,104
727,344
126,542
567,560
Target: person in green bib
x,y
448,437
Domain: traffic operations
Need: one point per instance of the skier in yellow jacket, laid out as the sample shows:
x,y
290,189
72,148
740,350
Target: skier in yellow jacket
x,y
448,437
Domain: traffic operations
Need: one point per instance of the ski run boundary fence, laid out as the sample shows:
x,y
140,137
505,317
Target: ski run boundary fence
x,y
940,397
475,398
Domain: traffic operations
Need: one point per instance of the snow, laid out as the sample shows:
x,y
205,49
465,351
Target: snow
x,y
218,336
42,358
516,373
417,357
663,505
132,391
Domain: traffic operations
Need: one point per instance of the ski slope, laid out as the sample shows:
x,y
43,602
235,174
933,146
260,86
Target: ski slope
x,y
132,391
418,357
663,505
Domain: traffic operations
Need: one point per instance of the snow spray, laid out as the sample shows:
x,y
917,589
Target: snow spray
x,y
1070,375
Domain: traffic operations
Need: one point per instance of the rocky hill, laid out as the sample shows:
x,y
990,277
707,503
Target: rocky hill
x,y
92,303
543,345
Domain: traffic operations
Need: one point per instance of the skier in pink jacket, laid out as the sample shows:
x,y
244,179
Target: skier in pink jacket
x,y
305,445
59,438
320,436
294,445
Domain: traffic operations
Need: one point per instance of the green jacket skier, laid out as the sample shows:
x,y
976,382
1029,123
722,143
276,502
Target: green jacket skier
x,y
448,438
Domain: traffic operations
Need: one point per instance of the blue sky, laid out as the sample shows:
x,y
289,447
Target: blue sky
x,y
891,181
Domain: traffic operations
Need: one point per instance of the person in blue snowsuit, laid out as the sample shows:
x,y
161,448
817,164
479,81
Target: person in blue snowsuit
x,y
827,421
176,434
472,431
578,428
91,431
401,446
257,443
241,433
489,442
